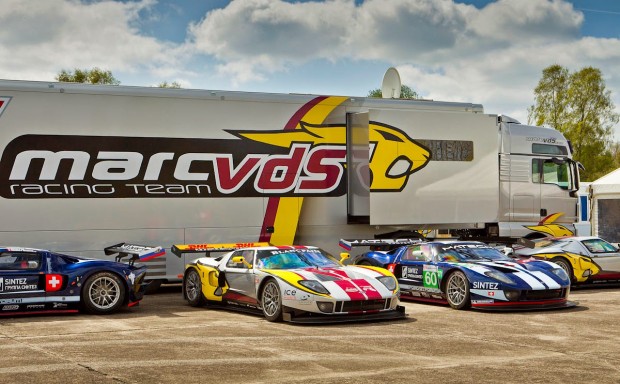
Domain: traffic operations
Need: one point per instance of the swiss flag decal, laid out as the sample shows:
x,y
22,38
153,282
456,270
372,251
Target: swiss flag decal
x,y
53,283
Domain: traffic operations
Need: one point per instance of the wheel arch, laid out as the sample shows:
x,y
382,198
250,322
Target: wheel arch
x,y
261,285
120,275
187,270
444,278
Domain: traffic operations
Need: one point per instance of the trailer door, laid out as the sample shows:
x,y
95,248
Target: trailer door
x,y
358,173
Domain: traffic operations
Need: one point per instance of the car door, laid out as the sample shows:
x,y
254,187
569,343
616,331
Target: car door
x,y
22,283
240,278
605,255
415,263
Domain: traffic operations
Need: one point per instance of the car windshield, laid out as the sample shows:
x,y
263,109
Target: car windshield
x,y
469,252
599,246
295,258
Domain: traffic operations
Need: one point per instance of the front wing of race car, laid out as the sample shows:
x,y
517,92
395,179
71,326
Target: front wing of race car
x,y
531,289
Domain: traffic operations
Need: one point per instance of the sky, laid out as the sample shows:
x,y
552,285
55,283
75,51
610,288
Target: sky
x,y
490,52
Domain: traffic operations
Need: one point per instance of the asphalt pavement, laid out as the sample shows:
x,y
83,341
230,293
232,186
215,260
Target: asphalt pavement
x,y
166,341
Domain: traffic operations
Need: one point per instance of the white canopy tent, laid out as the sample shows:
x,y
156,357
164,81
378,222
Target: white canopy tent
x,y
605,201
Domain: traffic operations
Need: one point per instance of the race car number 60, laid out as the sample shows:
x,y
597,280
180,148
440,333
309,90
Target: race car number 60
x,y
431,279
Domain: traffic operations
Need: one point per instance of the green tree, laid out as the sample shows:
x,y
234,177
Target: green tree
x,y
405,93
93,76
166,84
579,105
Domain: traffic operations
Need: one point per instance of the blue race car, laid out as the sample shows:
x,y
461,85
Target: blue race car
x,y
469,274
34,281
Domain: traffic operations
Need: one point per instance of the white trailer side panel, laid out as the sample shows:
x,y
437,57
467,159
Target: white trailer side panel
x,y
458,185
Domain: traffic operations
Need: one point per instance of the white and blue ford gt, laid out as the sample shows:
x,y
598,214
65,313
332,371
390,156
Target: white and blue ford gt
x,y
468,274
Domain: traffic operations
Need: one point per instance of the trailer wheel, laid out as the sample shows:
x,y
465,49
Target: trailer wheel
x,y
271,301
457,290
192,287
103,293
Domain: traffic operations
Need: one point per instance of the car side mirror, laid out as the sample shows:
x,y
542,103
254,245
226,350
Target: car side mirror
x,y
241,260
344,256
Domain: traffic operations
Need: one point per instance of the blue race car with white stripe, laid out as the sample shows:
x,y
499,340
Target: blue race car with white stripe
x,y
36,281
468,274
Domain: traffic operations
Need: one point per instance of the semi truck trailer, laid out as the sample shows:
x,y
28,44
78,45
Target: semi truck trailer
x,y
85,166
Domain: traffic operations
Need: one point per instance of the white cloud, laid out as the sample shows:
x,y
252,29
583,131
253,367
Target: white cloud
x,y
444,50
39,38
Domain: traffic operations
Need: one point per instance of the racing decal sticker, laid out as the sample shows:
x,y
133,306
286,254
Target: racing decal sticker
x,y
350,289
432,276
18,284
411,273
370,291
53,282
548,227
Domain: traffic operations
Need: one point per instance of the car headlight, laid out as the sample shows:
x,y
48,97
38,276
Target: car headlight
x,y
388,281
314,285
497,275
559,272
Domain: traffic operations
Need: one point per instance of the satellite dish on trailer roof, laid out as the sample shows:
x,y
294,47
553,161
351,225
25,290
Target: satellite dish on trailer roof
x,y
390,88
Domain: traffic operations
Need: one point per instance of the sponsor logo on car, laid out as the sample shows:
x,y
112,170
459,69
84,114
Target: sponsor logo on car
x,y
487,285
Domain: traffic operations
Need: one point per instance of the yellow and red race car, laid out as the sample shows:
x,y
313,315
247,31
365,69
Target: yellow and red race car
x,y
291,283
587,259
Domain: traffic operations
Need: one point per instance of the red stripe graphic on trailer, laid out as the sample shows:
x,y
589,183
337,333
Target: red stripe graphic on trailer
x,y
274,201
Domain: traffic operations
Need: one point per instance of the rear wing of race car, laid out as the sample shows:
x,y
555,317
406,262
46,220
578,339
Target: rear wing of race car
x,y
348,244
537,243
134,252
180,249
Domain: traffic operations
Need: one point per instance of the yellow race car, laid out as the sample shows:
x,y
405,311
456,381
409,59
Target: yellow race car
x,y
292,283
587,259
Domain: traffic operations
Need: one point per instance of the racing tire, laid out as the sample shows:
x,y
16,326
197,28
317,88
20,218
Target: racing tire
x,y
271,301
457,291
364,262
192,287
565,265
103,293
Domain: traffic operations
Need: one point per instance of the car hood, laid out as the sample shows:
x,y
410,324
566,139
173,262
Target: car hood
x,y
533,273
343,283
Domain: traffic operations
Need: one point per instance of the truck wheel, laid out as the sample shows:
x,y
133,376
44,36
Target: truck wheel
x,y
192,285
457,290
562,262
103,293
271,301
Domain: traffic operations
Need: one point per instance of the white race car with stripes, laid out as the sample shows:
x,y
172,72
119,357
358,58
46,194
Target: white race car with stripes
x,y
292,283
472,274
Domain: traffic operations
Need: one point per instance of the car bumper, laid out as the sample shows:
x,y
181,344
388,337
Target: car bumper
x,y
524,305
316,318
